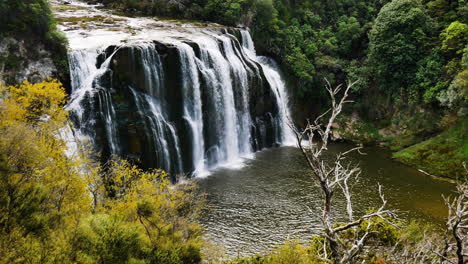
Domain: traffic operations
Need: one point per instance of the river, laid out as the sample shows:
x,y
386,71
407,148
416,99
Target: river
x,y
272,197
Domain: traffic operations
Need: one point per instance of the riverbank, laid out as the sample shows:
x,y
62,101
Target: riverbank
x,y
435,145
442,155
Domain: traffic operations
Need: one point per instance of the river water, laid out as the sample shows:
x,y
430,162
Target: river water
x,y
272,198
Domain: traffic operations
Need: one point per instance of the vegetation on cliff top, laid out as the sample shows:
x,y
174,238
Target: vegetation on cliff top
x,y
32,22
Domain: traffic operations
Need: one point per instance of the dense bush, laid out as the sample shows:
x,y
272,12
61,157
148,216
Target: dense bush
x,y
29,18
399,39
386,243
56,208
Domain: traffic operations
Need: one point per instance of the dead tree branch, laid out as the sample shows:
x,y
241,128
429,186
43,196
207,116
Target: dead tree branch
x,y
457,224
332,176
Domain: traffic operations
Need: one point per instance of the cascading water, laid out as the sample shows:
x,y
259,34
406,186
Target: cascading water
x,y
278,85
216,71
86,85
273,74
193,105
247,43
183,104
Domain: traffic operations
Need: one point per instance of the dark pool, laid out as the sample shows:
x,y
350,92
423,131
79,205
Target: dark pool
x,y
267,201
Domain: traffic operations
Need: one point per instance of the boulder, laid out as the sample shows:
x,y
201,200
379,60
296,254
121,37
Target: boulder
x,y
108,20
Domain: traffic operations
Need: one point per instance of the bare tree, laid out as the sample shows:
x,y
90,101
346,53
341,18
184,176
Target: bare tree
x,y
432,247
334,176
424,250
456,238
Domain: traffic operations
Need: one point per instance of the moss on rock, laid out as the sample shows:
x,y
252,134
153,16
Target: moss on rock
x,y
442,155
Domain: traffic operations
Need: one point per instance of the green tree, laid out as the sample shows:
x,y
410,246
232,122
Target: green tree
x,y
349,30
398,41
428,79
455,37
227,12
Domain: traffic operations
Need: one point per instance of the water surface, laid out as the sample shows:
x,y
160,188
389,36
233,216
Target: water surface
x,y
272,198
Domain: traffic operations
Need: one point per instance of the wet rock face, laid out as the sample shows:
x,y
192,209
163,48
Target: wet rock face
x,y
185,105
152,73
20,61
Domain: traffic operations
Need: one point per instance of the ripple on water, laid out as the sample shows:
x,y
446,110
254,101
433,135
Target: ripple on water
x,y
272,199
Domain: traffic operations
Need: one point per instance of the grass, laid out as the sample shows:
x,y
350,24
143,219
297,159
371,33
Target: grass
x,y
442,155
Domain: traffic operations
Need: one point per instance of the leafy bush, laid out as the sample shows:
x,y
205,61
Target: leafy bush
x,y
292,252
32,22
105,239
455,37
56,208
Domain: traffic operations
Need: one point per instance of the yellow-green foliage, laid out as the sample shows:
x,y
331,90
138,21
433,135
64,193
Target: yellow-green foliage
x,y
292,252
381,231
454,37
41,192
383,236
60,209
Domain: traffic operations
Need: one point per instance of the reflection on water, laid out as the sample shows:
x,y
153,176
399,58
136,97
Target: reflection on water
x,y
272,198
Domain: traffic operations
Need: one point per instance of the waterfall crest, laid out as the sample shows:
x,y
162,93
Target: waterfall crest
x,y
185,105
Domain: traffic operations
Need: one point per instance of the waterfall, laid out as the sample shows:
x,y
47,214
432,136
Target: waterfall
x,y
85,80
273,74
247,42
217,74
278,85
240,80
162,134
183,104
193,105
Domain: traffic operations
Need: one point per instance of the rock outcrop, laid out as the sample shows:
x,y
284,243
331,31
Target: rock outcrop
x,y
21,60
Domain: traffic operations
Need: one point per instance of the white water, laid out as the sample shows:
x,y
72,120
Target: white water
x,y
193,109
162,132
216,71
85,84
248,44
273,74
239,70
215,90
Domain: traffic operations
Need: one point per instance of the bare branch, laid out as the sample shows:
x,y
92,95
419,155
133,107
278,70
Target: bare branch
x,y
336,175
